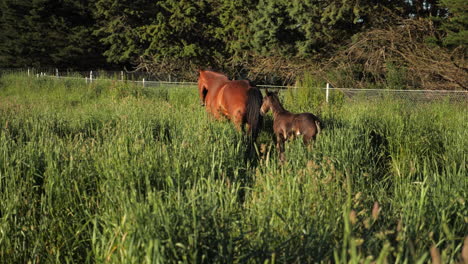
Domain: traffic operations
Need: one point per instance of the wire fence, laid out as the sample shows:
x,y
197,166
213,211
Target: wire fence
x,y
411,95
150,80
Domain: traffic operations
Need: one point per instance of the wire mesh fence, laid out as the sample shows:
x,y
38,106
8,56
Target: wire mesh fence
x,y
150,80
412,95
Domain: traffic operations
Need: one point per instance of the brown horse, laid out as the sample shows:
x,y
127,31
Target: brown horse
x,y
287,124
236,100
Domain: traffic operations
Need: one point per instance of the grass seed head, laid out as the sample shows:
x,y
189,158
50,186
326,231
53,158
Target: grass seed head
x,y
435,255
352,217
375,211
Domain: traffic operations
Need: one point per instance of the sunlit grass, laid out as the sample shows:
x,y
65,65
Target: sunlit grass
x,y
113,172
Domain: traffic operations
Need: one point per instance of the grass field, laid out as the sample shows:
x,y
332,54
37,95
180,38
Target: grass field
x,y
110,172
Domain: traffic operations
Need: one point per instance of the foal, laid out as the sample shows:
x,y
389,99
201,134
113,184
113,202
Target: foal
x,y
287,124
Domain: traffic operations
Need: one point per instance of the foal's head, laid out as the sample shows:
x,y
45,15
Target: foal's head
x,y
268,101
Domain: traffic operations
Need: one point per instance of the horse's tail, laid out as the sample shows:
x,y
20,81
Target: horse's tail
x,y
253,117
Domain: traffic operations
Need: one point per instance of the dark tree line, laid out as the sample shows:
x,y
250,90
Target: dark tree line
x,y
244,37
46,33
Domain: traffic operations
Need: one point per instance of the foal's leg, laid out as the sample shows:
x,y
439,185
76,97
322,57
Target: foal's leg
x,y
306,139
280,146
309,139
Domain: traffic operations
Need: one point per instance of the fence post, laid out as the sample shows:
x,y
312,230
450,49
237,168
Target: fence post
x,y
121,76
28,72
143,82
56,72
91,76
327,92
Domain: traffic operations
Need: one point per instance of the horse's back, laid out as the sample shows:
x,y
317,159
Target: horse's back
x,y
306,116
237,87
234,94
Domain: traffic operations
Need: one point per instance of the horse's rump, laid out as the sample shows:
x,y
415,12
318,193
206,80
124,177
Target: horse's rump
x,y
241,103
236,100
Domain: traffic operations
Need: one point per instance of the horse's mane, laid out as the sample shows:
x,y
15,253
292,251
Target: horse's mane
x,y
275,102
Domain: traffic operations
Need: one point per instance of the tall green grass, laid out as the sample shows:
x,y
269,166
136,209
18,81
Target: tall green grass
x,y
113,172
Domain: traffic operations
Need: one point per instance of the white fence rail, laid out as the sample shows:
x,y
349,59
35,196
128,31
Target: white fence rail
x,y
147,80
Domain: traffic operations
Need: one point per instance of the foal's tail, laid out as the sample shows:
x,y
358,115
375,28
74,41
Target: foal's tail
x,y
317,124
253,117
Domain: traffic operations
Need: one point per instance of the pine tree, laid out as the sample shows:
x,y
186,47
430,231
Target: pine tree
x,y
274,31
46,33
186,31
456,24
167,35
121,27
234,28
12,38
304,28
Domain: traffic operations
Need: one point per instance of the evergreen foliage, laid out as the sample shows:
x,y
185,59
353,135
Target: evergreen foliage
x,y
456,24
234,36
235,27
44,33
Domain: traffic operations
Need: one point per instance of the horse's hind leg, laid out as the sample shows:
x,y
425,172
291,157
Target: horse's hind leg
x,y
237,117
215,111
